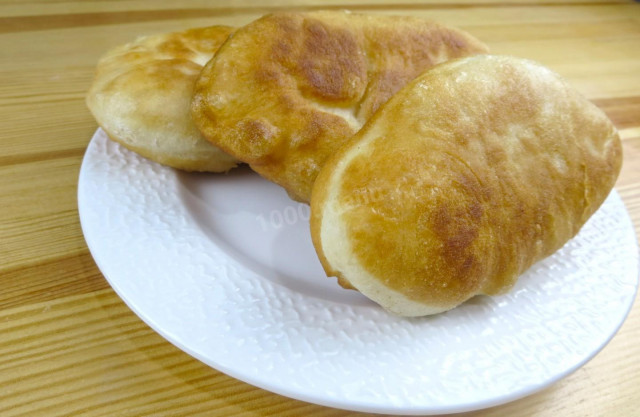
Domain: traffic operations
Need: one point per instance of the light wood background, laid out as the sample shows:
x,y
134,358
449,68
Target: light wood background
x,y
70,346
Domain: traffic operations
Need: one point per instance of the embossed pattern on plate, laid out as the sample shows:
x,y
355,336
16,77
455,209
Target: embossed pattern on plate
x,y
222,266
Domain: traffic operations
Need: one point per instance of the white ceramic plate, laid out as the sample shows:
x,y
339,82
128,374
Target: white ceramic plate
x,y
223,267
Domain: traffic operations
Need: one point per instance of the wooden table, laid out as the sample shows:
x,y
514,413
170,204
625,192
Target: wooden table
x,y
70,346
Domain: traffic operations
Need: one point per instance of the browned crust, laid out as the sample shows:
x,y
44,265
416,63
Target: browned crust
x,y
287,90
470,174
141,97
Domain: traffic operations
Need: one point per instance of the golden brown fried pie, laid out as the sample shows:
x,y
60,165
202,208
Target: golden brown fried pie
x,y
141,96
467,176
287,90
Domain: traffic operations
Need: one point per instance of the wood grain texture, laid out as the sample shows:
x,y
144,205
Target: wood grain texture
x,y
69,346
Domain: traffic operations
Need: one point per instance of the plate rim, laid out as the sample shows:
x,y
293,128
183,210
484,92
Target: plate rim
x,y
319,399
